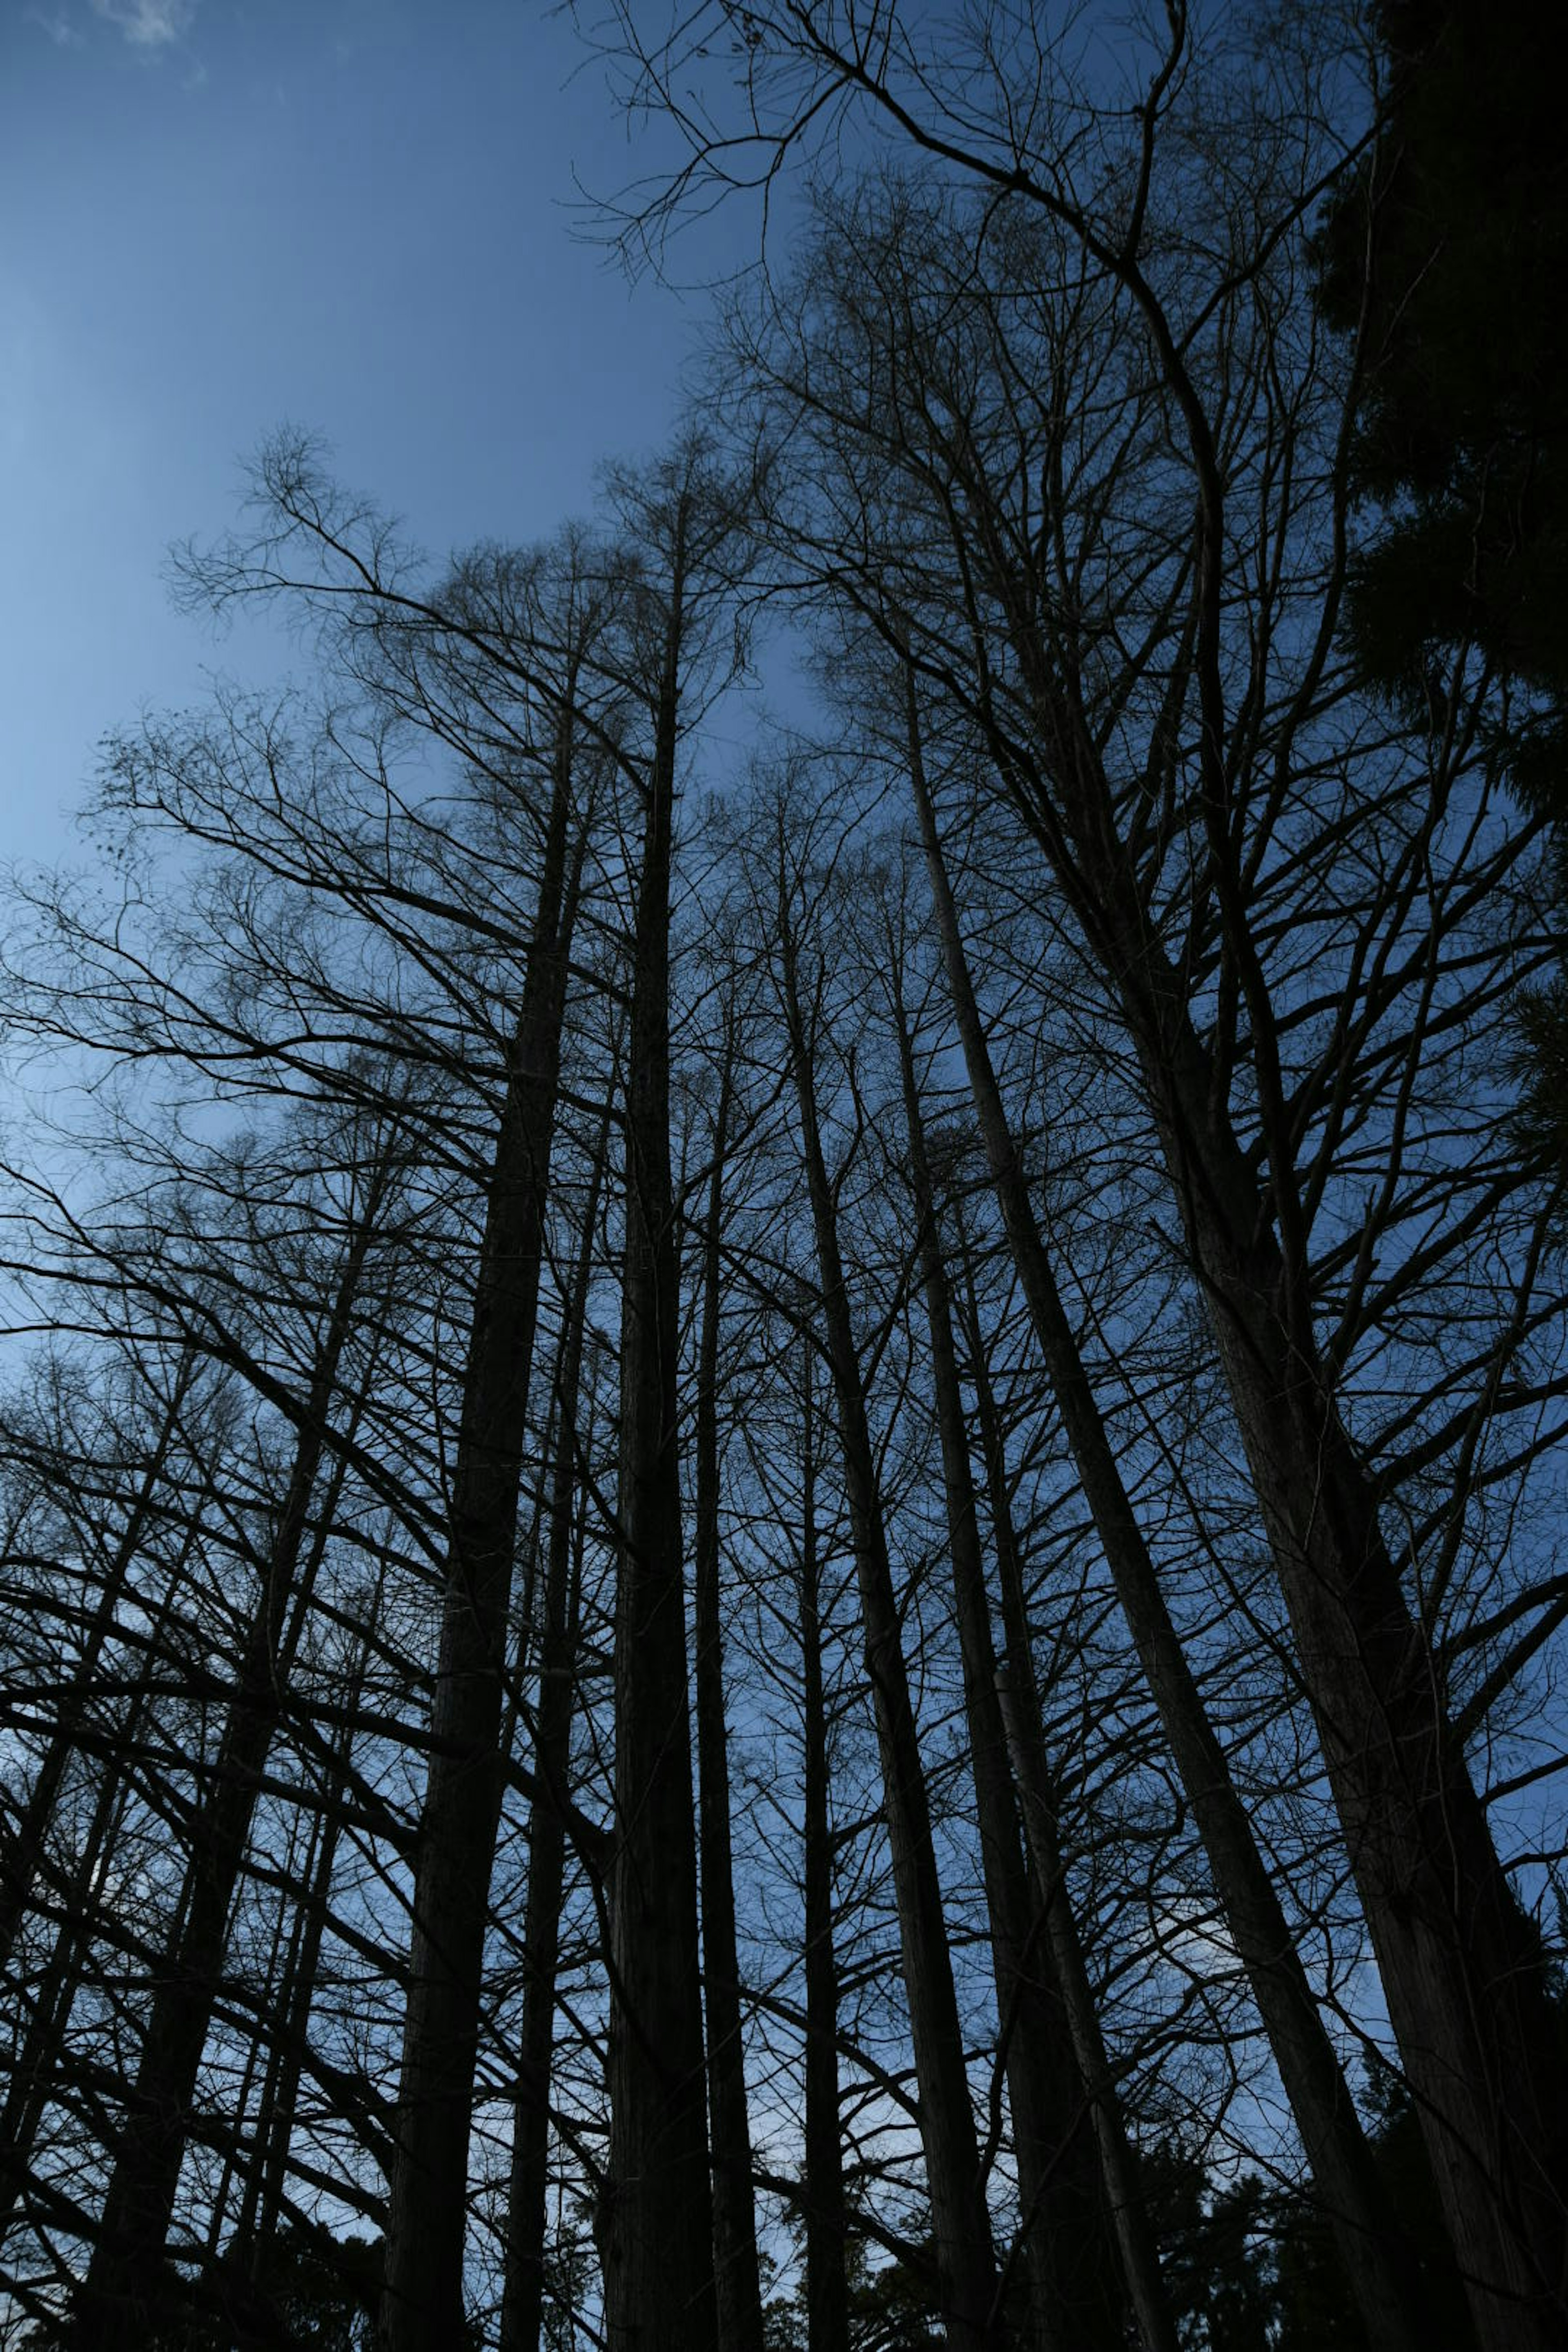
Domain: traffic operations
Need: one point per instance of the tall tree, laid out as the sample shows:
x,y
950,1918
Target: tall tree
x,y
1047,2020
654,2221
739,2300
523,2298
1125,722
423,2303
966,2256
1313,2079
826,2272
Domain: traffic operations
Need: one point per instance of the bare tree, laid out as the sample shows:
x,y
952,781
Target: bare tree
x,y
966,2256
1111,525
458,1822
654,2219
528,2183
740,2302
1056,2065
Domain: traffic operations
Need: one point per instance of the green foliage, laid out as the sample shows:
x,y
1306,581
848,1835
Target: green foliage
x,y
570,2270
1454,236
326,2301
1453,242
1254,2269
893,2306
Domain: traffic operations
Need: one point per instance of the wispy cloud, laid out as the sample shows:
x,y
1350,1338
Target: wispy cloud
x,y
55,27
148,24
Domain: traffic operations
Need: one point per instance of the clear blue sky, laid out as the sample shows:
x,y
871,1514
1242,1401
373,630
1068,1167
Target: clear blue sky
x,y
355,216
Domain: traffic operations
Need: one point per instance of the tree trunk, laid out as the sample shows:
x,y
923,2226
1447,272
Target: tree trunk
x,y
522,2294
1461,1966
421,2301
1370,2245
1047,2051
1021,1720
654,2219
1140,2261
35,2070
826,2272
965,2259
737,2276
261,2206
123,2282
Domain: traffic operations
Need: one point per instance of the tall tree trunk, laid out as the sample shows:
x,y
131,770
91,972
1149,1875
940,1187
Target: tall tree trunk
x,y
826,2270
1140,2261
421,2301
1047,2049
1462,1969
737,2275
1023,1720
121,2286
523,2292
1376,2260
965,2259
654,2221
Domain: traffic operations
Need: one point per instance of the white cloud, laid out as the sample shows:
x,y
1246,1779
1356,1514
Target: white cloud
x,y
148,24
58,28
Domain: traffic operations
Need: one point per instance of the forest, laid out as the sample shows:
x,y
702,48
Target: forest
x,y
782,1459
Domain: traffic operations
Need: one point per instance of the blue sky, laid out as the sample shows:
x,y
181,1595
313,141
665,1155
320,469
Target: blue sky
x,y
355,216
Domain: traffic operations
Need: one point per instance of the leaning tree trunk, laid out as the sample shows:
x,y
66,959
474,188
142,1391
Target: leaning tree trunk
x,y
1461,1966
965,2259
655,2219
421,2301
122,2284
1055,2063
37,2070
737,2275
1462,1969
1381,2271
